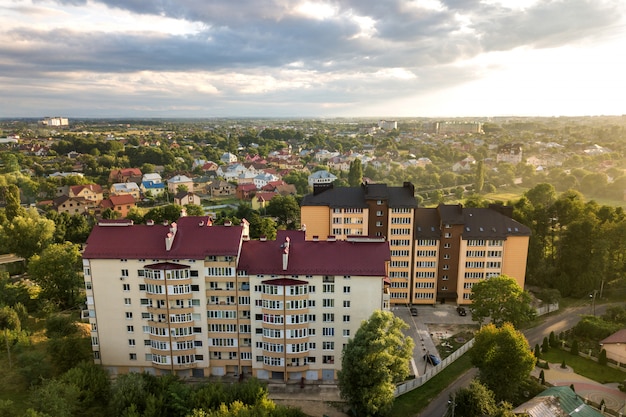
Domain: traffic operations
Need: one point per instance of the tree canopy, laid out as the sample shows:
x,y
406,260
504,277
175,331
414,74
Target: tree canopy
x,y
503,358
501,299
374,360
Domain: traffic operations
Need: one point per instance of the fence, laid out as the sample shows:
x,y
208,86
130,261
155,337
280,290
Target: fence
x,y
547,308
422,379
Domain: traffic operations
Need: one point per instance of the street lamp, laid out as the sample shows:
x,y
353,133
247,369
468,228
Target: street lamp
x,y
593,301
451,405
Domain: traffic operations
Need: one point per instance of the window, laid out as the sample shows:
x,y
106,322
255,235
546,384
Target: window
x,y
129,315
328,288
132,356
88,285
447,235
127,301
130,329
131,342
328,302
346,303
124,272
328,345
126,287
379,224
328,317
447,245
328,331
346,318
346,332
346,289
379,213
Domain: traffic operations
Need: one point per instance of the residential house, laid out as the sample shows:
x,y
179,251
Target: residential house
x,y
321,177
245,191
262,179
183,198
510,153
339,163
177,181
72,205
557,401
615,346
228,158
126,175
280,187
464,165
126,188
118,203
220,188
153,188
91,192
262,199
236,306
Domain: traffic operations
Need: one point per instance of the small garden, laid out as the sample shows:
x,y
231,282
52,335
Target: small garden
x,y
580,349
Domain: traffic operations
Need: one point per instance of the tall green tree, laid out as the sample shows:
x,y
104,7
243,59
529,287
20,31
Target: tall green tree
x,y
57,272
503,300
373,362
27,235
11,195
355,175
479,182
286,210
503,358
477,400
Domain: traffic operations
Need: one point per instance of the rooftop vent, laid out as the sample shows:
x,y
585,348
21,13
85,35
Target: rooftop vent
x,y
316,238
331,238
150,222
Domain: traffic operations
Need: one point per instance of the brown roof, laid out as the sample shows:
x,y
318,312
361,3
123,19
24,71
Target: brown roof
x,y
315,258
193,240
617,337
118,200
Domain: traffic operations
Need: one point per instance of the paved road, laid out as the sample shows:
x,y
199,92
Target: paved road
x,y
563,320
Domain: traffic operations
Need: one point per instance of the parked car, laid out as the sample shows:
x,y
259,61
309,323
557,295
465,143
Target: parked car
x,y
413,311
432,359
461,310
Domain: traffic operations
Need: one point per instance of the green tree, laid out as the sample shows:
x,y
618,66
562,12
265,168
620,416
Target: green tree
x,y
286,210
503,358
194,210
502,299
479,182
57,272
355,175
11,195
545,346
476,400
56,398
374,360
27,235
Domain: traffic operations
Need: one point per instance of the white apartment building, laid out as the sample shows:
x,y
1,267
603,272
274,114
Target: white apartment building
x,y
194,299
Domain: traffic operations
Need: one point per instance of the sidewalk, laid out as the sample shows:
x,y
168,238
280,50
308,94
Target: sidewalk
x,y
587,389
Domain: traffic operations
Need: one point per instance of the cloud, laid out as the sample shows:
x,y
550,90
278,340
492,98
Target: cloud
x,y
265,51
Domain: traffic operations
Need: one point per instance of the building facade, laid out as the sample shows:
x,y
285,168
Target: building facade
x,y
194,299
437,254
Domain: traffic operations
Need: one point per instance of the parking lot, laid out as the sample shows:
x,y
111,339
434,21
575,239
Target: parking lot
x,y
422,328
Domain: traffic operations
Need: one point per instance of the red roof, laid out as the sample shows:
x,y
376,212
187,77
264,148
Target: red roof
x,y
265,196
119,200
76,189
246,187
617,337
315,258
193,240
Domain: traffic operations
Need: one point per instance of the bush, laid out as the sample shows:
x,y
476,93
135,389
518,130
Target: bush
x,y
545,346
543,365
552,340
602,359
594,328
563,366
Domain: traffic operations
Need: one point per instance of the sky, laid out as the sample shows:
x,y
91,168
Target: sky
x,y
310,58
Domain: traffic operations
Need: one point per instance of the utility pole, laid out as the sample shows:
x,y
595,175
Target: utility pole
x,y
593,301
452,405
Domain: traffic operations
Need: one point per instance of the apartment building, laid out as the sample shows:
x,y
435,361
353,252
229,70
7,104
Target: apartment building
x,y
375,210
194,299
437,254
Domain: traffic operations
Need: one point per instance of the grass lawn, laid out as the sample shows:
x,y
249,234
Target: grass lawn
x,y
585,367
411,403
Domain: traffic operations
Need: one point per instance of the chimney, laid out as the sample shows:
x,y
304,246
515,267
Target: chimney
x,y
286,253
246,229
169,238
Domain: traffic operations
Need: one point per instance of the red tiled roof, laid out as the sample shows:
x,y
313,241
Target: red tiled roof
x,y
246,187
193,240
265,196
315,258
118,200
617,337
76,189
